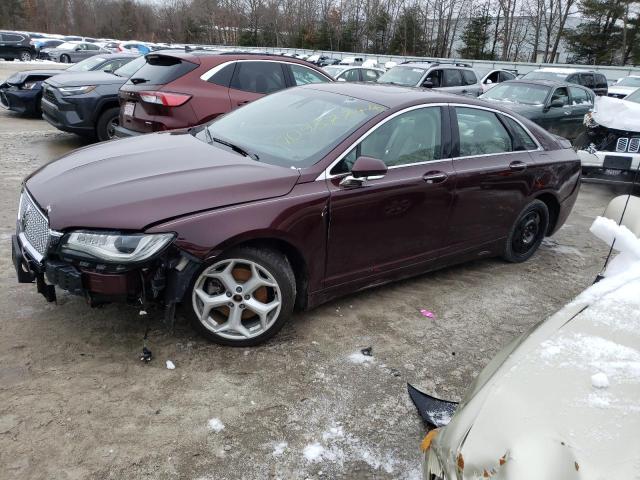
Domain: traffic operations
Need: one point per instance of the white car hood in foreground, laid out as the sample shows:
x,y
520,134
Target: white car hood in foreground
x,y
617,114
539,414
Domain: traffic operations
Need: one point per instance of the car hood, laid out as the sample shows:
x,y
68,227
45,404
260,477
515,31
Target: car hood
x,y
540,412
131,184
20,77
617,114
85,78
621,90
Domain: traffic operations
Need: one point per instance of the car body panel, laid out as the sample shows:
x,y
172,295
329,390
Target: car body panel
x,y
128,175
537,400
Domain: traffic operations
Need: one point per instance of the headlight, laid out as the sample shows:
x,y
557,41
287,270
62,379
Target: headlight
x,y
29,85
113,247
77,90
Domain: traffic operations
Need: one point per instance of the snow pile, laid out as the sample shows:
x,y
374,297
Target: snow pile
x,y
599,380
170,365
313,452
216,425
360,358
279,448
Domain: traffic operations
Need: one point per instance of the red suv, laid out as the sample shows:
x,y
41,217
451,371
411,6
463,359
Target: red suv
x,y
182,89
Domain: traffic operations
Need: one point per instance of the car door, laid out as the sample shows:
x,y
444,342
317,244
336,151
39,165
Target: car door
x,y
581,102
255,78
399,219
494,173
452,81
557,119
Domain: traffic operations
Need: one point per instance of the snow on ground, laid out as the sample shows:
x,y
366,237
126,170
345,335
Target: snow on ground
x,y
360,358
561,249
313,452
216,425
279,448
599,380
170,365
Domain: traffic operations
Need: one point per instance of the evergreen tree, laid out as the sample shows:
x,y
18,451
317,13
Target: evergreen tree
x,y
408,38
476,38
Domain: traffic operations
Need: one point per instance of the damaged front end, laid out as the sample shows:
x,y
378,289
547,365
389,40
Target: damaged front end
x,y
101,266
22,92
610,147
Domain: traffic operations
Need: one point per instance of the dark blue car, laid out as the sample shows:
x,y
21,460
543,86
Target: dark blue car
x,y
22,92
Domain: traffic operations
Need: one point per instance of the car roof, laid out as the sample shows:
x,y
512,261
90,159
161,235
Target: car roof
x,y
546,83
212,57
567,71
391,96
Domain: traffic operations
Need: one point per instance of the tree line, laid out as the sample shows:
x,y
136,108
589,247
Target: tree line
x,y
592,31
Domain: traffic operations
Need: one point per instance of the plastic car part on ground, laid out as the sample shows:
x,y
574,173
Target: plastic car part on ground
x,y
537,400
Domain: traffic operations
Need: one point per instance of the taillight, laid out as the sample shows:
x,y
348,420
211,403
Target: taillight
x,y
164,98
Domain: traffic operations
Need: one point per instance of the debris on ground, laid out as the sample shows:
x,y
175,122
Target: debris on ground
x,y
428,313
170,365
216,425
367,351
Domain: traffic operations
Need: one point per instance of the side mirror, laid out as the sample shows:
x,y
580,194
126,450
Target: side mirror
x,y
557,103
427,84
342,79
362,168
488,82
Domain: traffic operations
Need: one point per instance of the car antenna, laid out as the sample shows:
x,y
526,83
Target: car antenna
x,y
600,275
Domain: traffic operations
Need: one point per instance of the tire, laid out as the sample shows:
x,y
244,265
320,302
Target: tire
x,y
65,59
225,284
527,232
25,56
105,125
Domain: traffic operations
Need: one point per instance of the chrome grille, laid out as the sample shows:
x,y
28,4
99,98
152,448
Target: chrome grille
x,y
33,224
49,95
621,145
625,144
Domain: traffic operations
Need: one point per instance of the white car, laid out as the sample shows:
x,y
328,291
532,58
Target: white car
x,y
492,78
347,73
610,148
351,61
562,401
624,86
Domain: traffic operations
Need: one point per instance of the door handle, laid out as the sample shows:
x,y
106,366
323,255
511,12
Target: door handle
x,y
517,166
434,177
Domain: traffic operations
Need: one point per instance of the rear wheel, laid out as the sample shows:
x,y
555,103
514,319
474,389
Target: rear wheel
x,y
527,232
25,56
65,59
244,297
107,123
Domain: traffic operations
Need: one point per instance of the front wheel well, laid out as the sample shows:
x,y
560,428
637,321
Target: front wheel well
x,y
554,209
295,258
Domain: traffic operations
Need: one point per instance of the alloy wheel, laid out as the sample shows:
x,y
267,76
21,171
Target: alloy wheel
x,y
25,56
237,299
111,127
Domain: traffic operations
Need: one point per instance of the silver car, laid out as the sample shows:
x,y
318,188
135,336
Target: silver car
x,y
72,52
347,73
448,77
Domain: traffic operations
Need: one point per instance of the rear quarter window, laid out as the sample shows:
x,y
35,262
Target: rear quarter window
x,y
162,69
223,76
468,77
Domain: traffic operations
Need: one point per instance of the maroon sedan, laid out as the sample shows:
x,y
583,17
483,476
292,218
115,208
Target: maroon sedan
x,y
177,89
292,200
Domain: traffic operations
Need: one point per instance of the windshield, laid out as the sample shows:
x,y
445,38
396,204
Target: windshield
x,y
407,76
333,71
87,64
538,75
516,92
629,82
311,123
130,68
67,46
633,97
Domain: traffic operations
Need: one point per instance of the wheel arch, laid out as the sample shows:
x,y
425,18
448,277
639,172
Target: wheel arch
x,y
289,250
553,205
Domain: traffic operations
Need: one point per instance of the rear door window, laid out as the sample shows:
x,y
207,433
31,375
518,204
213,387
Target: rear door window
x,y
469,77
522,139
579,96
351,75
162,69
452,78
504,76
223,77
259,77
304,75
481,133
10,37
586,79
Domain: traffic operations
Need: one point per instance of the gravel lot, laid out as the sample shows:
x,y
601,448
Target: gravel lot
x,y
75,401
